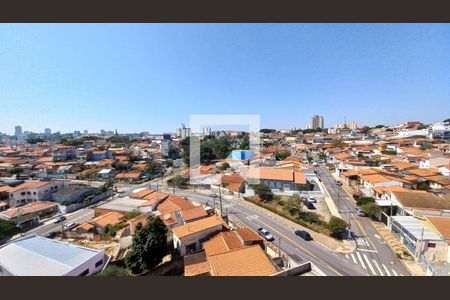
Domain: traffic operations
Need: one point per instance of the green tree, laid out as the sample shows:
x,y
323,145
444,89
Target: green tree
x,y
336,226
322,156
151,168
149,246
294,204
364,200
132,214
282,155
15,170
224,166
371,209
113,270
178,181
263,191
365,130
8,229
112,230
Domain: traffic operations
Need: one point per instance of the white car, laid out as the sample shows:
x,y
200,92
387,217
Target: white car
x,y
266,234
71,226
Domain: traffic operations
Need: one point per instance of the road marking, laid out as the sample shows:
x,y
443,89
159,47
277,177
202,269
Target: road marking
x,y
304,250
346,255
386,270
378,267
361,260
252,217
395,273
354,259
368,263
367,250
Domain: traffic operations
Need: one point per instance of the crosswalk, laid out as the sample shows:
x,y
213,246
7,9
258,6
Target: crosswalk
x,y
252,217
360,241
369,264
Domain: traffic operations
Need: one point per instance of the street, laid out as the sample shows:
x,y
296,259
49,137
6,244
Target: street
x,y
372,253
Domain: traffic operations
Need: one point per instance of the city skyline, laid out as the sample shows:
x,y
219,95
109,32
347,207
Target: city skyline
x,y
150,77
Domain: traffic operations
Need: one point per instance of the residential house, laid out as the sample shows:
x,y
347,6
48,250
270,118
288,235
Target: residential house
x,y
444,170
420,204
29,215
73,193
34,190
100,224
188,238
276,178
434,162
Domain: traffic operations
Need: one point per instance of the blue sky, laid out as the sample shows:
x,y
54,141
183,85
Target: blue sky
x,y
150,77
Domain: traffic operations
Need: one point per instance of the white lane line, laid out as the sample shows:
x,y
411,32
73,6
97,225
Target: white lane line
x,y
346,255
378,267
354,259
395,273
368,263
360,259
386,270
368,250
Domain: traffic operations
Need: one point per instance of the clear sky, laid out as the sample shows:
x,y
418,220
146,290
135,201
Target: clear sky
x,y
150,77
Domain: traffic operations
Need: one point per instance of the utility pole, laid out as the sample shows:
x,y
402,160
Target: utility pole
x,y
220,198
338,199
279,246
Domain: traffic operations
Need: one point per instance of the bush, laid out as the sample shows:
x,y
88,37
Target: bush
x,y
132,214
336,226
263,192
112,230
65,203
8,229
371,209
364,200
113,270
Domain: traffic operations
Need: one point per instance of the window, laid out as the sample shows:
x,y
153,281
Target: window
x,y
99,263
34,193
84,273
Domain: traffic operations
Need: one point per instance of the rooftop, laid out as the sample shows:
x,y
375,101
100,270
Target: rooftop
x,y
197,226
38,256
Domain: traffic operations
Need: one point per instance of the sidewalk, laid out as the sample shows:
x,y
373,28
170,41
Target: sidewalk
x,y
326,241
399,249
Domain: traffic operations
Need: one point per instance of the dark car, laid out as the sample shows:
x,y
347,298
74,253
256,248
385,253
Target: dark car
x,y
309,205
60,219
304,235
50,235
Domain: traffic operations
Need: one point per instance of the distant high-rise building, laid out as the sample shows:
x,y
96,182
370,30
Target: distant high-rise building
x,y
308,126
85,132
183,132
19,134
165,145
353,125
317,122
206,131
47,131
102,132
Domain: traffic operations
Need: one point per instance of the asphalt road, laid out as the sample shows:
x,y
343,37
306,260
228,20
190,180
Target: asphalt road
x,y
372,253
329,262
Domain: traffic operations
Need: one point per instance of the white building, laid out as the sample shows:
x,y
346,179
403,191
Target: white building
x,y
34,190
34,255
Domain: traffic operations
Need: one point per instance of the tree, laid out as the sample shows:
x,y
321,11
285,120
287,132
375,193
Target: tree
x,y
265,130
364,200
293,204
322,156
282,155
112,229
422,126
371,209
224,166
132,214
365,130
15,170
336,226
113,270
149,246
8,229
151,168
263,191
178,181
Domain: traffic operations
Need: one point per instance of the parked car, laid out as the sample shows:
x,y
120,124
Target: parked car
x,y
360,212
50,235
312,199
309,205
70,226
304,235
338,182
214,195
266,234
60,219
